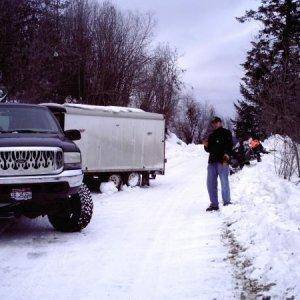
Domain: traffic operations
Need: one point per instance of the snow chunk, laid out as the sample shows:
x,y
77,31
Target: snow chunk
x,y
108,188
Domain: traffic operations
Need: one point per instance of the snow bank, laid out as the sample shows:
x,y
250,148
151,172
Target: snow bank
x,y
176,148
266,221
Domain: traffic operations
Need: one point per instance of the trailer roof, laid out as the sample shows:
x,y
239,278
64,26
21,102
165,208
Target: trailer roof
x,y
114,109
111,111
85,109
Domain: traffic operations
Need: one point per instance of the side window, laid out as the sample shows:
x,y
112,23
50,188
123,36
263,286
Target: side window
x,y
60,117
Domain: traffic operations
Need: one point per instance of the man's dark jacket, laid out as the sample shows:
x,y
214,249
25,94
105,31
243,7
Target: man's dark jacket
x,y
219,144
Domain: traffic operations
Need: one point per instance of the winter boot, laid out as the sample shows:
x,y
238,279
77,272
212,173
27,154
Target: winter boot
x,y
212,208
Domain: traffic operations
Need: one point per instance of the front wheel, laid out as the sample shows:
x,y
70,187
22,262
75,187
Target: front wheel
x,y
78,215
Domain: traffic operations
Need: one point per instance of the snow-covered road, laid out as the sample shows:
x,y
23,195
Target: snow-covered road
x,y
154,243
159,243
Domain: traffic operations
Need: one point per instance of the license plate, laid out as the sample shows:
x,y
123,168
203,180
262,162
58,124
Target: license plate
x,y
21,194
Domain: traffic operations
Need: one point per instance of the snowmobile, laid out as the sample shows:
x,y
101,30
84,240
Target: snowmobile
x,y
243,153
241,156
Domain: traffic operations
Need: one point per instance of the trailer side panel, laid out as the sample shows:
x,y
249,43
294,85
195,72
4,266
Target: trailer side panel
x,y
113,143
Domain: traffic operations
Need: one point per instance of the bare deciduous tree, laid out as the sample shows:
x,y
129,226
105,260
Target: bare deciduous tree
x,y
160,83
87,51
120,45
193,119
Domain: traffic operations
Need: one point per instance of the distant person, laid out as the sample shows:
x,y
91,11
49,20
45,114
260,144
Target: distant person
x,y
219,146
257,148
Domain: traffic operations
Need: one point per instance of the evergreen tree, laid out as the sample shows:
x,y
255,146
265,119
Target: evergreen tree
x,y
248,121
269,86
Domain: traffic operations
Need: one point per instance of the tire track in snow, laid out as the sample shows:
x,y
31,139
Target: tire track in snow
x,y
166,215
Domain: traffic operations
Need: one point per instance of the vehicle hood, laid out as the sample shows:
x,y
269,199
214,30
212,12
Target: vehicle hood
x,y
37,140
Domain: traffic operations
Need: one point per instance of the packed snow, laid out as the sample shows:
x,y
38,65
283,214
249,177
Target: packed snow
x,y
159,243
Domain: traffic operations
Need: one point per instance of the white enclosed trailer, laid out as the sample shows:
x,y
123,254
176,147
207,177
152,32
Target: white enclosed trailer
x,y
116,142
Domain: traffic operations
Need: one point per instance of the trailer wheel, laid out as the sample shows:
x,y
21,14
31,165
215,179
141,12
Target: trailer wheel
x,y
116,179
152,176
77,216
133,179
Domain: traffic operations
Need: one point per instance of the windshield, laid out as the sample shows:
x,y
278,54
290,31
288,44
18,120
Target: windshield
x,y
27,119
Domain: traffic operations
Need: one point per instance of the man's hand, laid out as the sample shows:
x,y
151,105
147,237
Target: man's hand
x,y
226,159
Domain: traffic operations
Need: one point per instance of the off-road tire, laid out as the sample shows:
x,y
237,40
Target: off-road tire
x,y
78,216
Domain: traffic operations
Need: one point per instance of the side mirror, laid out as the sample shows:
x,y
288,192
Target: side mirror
x,y
73,134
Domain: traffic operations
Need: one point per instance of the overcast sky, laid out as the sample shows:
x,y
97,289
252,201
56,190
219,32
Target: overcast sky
x,y
212,44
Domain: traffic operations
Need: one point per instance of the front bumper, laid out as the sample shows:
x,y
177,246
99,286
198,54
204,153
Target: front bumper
x,y
47,193
72,177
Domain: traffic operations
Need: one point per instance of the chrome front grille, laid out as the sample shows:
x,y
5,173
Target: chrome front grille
x,y
22,161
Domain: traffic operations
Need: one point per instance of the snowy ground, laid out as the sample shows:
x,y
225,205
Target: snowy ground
x,y
159,243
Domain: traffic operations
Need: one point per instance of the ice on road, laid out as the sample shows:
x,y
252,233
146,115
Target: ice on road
x,y
152,243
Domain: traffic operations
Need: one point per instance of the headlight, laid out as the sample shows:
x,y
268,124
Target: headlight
x,y
72,160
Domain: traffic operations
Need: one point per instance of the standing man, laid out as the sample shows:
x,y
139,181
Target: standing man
x,y
219,146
